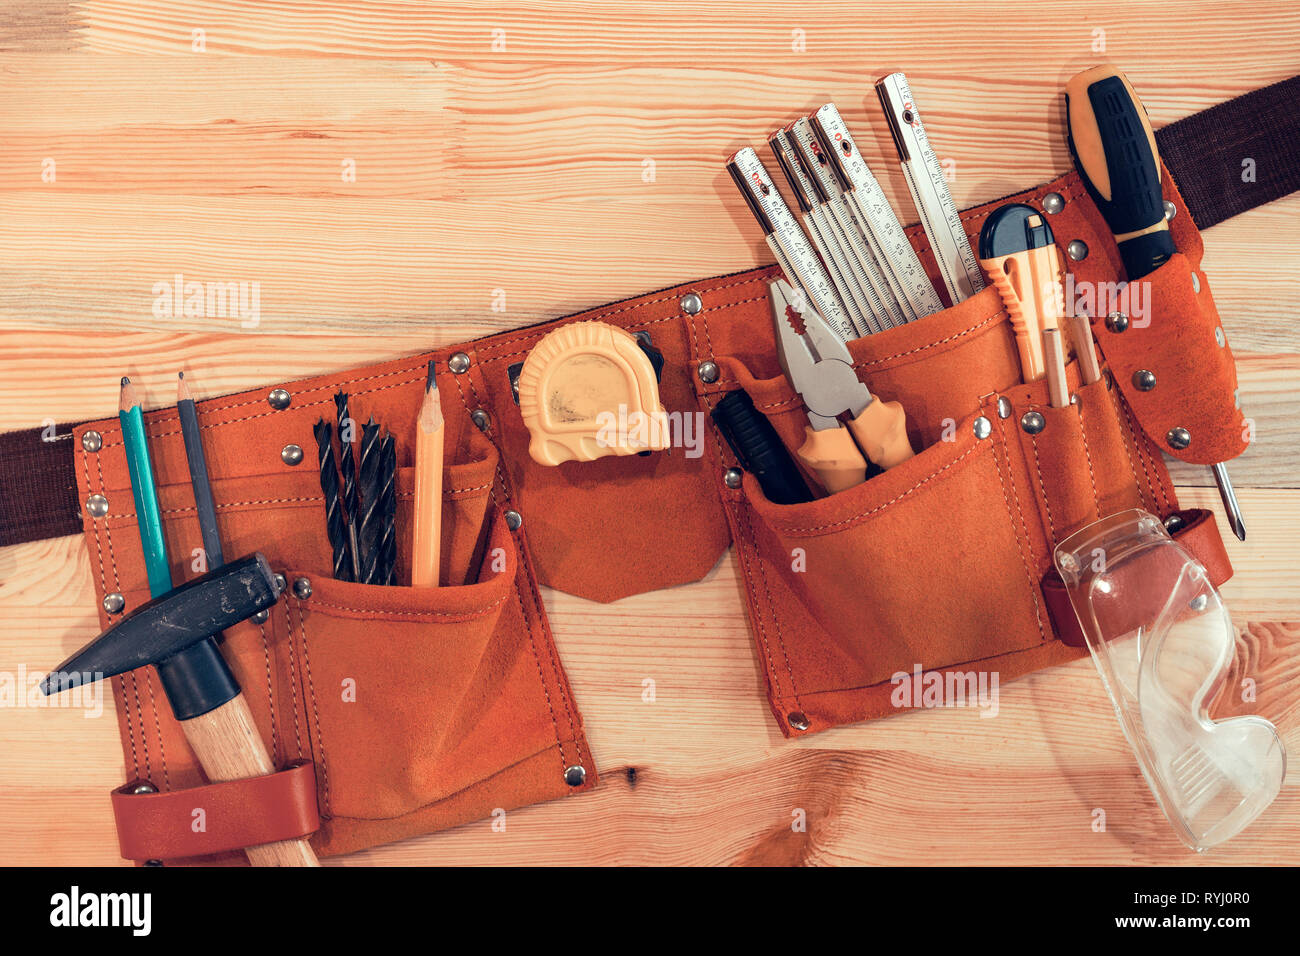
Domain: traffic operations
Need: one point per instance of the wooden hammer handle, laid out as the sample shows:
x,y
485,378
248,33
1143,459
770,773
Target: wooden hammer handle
x,y
229,747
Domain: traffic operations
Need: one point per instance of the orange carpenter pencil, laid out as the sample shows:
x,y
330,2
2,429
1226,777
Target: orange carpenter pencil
x,y
427,511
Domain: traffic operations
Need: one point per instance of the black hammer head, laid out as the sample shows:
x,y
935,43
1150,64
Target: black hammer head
x,y
169,624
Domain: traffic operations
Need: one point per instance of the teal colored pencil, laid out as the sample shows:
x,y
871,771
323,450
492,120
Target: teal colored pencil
x,y
148,516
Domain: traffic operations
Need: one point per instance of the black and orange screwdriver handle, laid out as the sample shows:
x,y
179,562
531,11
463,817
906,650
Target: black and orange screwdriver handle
x,y
1114,150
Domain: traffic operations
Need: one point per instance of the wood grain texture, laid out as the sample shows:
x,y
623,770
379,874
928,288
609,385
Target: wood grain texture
x,y
520,169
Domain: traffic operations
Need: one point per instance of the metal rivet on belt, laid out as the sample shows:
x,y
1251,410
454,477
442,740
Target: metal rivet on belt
x,y
1033,422
708,372
291,454
1170,211
797,720
732,477
1196,282
480,419
458,363
1074,398
92,441
302,588
576,775
983,427
692,303
513,520
1004,407
1108,379
1144,380
1053,203
280,582
145,787
1173,523
1218,336
97,505
1077,250
1179,438
261,616
114,603
279,399
1117,322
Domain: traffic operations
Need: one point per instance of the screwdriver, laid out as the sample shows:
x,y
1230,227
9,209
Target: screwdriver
x,y
1114,149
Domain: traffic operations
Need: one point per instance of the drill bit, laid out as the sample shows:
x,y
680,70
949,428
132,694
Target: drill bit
x,y
387,568
370,524
329,484
347,465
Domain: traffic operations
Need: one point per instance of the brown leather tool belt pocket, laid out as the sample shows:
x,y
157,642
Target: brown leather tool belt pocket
x,y
941,564
418,708
415,697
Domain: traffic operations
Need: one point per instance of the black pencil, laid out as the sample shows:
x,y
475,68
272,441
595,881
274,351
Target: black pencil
x,y
207,509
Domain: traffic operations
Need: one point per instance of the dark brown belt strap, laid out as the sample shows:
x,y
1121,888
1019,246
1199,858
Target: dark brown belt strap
x,y
1205,152
1237,155
38,487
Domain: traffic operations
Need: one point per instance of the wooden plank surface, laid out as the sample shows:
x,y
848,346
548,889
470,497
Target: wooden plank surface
x,y
522,169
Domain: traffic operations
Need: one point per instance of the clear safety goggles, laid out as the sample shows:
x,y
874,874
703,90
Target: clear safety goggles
x,y
1163,643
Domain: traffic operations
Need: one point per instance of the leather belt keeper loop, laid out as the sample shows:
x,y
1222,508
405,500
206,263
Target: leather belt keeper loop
x,y
1198,534
237,814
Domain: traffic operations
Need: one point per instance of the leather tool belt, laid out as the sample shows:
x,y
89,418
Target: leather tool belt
x,y
400,711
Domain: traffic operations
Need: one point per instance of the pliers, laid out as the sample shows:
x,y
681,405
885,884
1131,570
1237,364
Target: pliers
x,y
818,365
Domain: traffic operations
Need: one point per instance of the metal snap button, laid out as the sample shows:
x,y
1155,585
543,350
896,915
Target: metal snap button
x,y
576,775
97,505
302,588
458,363
1053,203
797,720
708,372
1144,380
92,441
691,303
1117,322
732,477
1077,250
1179,438
114,603
1033,422
279,399
983,427
1004,407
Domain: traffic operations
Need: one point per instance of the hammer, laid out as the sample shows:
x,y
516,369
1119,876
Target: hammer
x,y
175,632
